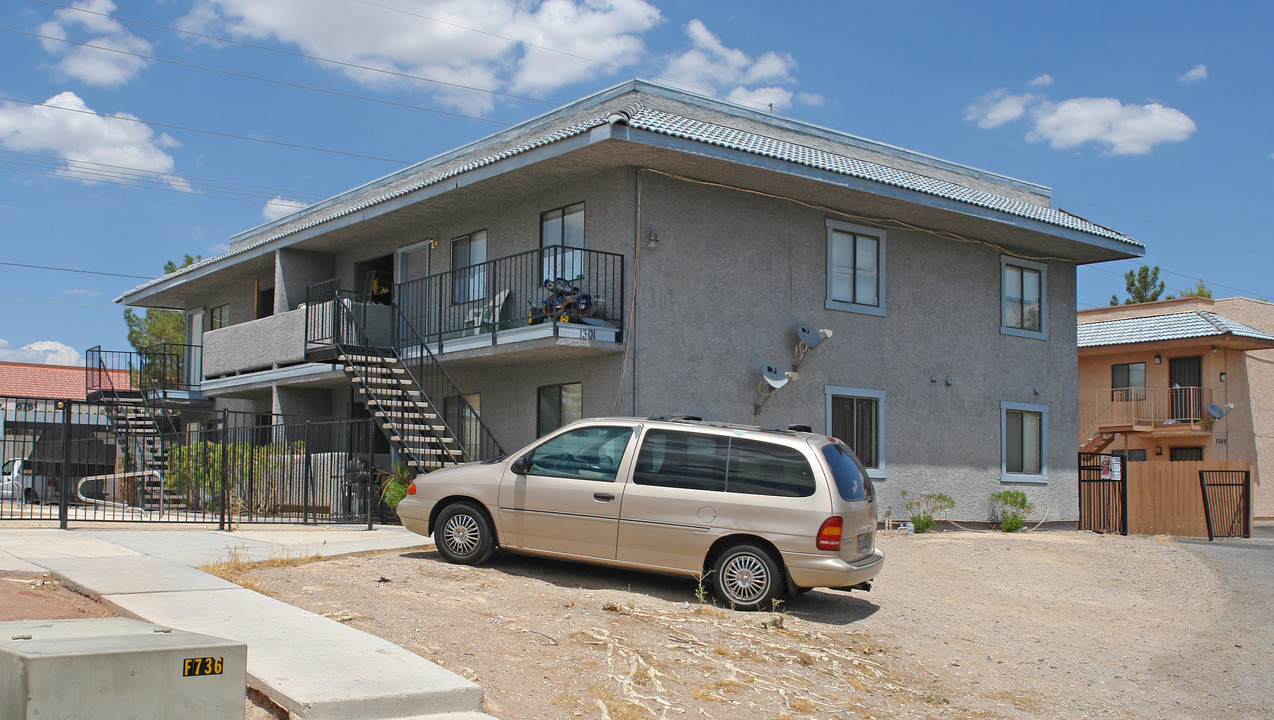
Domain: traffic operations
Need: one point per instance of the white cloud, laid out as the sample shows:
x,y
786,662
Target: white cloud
x,y
81,291
78,134
710,66
43,352
457,41
1195,74
93,66
1122,129
998,107
1042,80
278,207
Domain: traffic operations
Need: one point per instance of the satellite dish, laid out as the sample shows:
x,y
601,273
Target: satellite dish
x,y
810,336
774,376
1216,411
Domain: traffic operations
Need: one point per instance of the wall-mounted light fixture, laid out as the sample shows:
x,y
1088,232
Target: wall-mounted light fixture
x,y
1158,449
433,242
653,240
1158,359
1222,377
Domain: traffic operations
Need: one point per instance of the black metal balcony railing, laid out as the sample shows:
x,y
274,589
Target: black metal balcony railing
x,y
544,285
166,366
334,316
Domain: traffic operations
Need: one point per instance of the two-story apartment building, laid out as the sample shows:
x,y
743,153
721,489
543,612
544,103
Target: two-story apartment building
x,y
1187,379
645,251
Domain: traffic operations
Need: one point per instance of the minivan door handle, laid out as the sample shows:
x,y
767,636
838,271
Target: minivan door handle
x,y
603,497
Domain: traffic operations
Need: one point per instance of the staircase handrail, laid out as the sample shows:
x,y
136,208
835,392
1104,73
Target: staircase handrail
x,y
485,436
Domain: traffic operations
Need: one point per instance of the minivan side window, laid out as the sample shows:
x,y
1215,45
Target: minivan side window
x,y
682,460
760,468
851,478
591,453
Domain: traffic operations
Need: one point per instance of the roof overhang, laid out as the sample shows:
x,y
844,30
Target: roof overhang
x,y
596,143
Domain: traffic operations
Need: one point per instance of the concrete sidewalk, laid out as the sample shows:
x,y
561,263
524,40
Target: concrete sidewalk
x,y
316,668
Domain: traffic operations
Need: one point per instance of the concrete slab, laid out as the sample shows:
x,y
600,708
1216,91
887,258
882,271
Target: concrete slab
x,y
200,547
38,543
203,608
96,577
385,683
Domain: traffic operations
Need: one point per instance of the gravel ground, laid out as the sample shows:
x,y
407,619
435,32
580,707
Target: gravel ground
x,y
959,625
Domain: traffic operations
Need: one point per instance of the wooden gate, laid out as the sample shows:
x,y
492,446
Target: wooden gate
x,y
1103,494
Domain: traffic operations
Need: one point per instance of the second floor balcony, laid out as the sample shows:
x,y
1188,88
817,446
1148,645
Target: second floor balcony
x,y
1167,411
523,302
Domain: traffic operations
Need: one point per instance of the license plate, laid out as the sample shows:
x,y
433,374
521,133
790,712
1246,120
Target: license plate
x,y
196,667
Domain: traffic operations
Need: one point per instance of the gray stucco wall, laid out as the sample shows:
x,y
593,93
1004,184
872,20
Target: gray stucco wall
x,y
295,271
734,273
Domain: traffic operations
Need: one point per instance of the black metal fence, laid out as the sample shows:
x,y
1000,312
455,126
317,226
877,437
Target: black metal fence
x,y
66,460
158,368
1227,502
1103,493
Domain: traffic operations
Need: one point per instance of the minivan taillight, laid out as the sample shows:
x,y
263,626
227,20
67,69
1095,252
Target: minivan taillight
x,y
829,534
411,488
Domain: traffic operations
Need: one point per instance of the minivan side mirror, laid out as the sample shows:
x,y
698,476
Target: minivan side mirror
x,y
519,466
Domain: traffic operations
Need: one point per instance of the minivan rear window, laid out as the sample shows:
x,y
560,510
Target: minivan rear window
x,y
851,479
694,461
759,468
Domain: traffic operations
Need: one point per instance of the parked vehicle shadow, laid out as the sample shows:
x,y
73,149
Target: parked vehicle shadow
x,y
821,605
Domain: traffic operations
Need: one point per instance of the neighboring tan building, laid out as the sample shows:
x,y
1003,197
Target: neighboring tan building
x,y
1185,379
702,235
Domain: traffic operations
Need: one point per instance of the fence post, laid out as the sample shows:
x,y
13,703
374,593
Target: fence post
x,y
64,485
306,492
371,469
1125,478
225,490
1207,510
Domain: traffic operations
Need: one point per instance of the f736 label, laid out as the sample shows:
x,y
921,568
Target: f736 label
x,y
196,667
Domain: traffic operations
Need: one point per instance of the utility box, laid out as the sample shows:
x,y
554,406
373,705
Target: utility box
x,y
118,669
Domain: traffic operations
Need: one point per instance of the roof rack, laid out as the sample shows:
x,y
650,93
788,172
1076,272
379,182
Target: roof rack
x,y
696,420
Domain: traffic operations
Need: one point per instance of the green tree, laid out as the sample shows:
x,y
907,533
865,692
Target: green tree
x,y
153,325
1143,285
1199,290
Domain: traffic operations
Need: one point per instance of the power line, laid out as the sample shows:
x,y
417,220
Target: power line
x,y
304,56
95,172
76,270
252,77
1209,283
58,302
204,132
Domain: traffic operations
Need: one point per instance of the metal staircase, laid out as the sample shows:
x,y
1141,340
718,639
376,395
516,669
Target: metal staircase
x,y
405,395
145,432
404,414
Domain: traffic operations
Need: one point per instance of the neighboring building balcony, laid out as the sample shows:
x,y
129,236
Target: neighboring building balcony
x,y
554,301
170,371
1161,411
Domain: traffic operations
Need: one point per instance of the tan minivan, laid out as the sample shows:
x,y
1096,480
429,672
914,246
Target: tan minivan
x,y
761,513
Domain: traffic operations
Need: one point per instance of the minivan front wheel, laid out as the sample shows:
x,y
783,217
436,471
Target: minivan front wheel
x,y
747,577
463,534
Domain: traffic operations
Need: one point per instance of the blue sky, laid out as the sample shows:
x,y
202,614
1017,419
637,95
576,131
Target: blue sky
x,y
212,116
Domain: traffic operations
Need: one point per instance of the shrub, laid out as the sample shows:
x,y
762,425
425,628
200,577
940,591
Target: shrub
x,y
393,486
924,506
1011,507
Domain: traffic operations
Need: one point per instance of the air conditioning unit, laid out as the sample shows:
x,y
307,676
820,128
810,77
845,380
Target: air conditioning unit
x,y
118,669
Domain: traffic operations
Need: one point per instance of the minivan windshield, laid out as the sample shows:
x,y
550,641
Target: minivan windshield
x,y
849,474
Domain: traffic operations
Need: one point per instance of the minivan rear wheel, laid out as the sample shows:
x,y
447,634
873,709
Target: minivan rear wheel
x,y
747,577
463,534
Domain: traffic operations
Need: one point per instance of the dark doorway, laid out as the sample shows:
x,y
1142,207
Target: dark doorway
x,y
375,277
1185,394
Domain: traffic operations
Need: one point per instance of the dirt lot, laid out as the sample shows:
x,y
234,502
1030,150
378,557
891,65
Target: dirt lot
x,y
960,625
